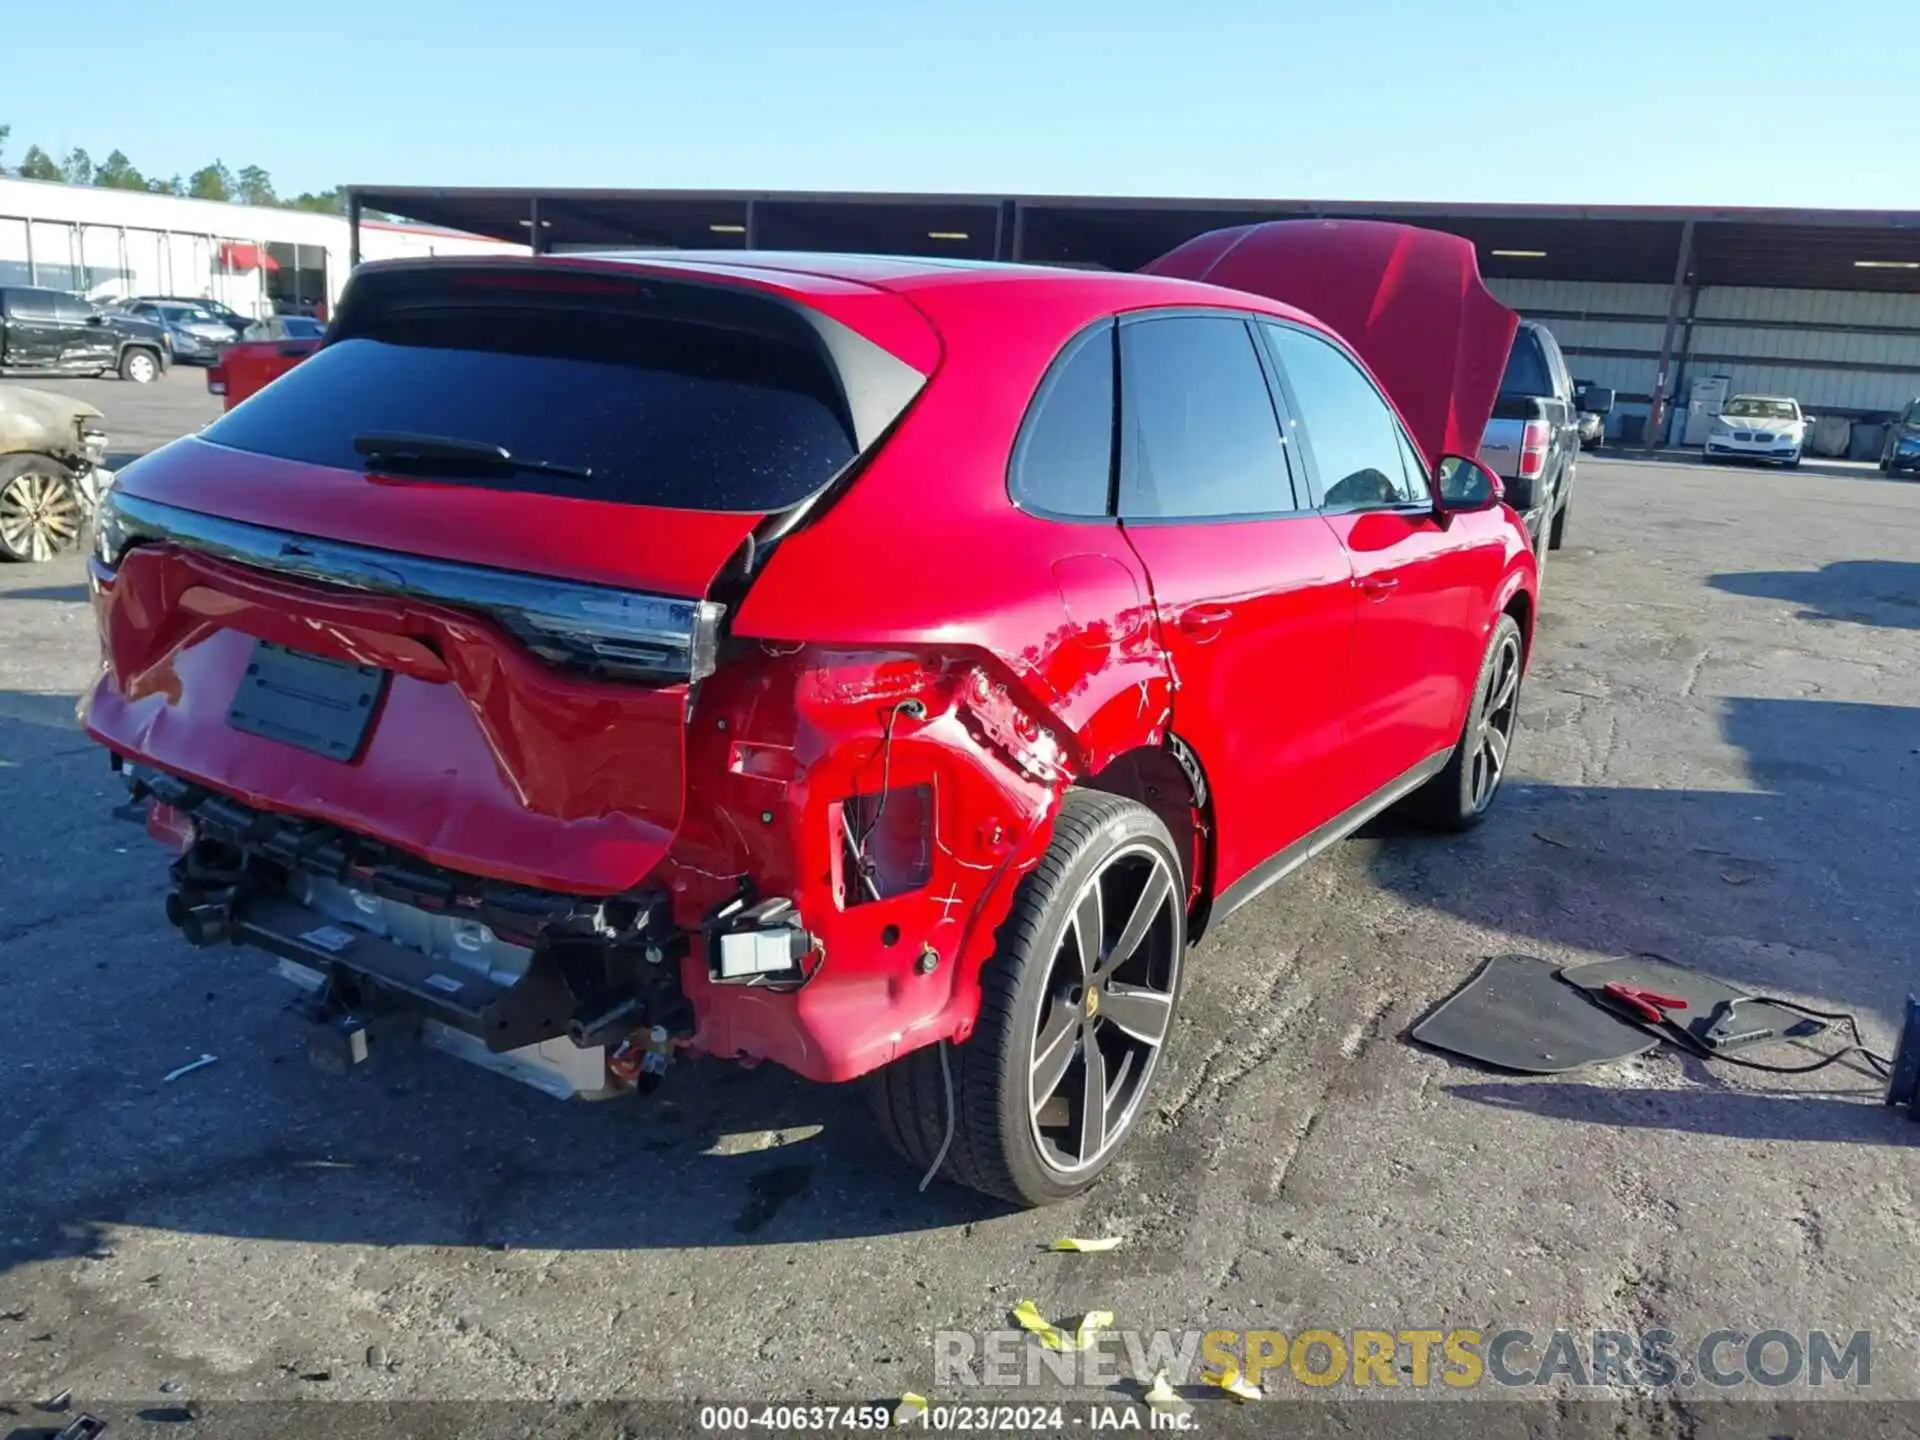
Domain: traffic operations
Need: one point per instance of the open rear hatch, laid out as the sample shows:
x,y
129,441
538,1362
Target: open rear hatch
x,y
450,582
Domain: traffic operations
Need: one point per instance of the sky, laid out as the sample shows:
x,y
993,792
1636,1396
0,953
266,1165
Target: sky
x,y
1765,102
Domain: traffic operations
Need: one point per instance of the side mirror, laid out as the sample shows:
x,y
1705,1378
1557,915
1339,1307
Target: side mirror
x,y
1465,486
96,318
1598,400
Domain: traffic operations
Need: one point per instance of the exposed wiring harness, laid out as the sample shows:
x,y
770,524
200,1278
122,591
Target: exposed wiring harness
x,y
946,1140
914,709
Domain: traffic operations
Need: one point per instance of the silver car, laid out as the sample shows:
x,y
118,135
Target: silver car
x,y
195,334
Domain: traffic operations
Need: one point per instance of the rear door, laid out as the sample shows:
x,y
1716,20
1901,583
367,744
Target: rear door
x,y
1412,580
34,331
1251,589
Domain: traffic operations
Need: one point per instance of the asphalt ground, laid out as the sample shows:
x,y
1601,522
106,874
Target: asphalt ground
x,y
1719,761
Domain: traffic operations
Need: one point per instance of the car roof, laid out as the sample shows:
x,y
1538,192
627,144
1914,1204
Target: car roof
x,y
932,282
884,272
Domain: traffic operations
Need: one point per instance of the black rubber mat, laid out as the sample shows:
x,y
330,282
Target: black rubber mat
x,y
1517,1014
1754,1024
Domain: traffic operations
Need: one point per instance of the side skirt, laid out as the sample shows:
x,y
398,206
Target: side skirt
x,y
1278,866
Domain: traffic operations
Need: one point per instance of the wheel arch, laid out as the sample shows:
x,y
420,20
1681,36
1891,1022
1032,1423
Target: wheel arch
x,y
1169,780
1521,600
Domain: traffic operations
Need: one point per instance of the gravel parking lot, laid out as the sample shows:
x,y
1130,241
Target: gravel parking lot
x,y
1719,761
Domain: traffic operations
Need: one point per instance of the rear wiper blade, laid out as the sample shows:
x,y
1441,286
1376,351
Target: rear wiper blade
x,y
449,453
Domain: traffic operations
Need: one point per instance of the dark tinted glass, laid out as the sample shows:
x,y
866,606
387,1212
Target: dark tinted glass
x,y
1200,438
1064,463
663,412
72,310
30,304
1355,439
1526,368
1557,363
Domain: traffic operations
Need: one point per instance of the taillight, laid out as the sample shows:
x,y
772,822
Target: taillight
x,y
1534,440
216,381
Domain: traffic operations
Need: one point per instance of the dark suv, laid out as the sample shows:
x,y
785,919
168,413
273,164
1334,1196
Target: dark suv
x,y
49,332
1902,450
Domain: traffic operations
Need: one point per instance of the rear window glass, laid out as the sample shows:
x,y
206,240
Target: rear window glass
x,y
663,412
1526,369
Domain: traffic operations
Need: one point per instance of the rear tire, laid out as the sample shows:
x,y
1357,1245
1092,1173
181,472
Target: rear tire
x,y
1037,1021
140,366
1459,797
1557,532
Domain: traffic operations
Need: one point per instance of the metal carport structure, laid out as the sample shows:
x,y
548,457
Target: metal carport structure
x,y
1828,300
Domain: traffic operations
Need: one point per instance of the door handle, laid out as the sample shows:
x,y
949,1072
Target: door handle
x,y
1203,622
1378,587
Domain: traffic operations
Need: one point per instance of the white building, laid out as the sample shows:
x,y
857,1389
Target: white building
x,y
107,244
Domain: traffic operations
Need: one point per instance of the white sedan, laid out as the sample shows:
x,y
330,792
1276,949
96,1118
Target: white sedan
x,y
1759,427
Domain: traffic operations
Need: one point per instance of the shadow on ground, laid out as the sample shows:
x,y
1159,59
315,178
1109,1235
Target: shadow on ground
x,y
1854,1119
74,593
1865,592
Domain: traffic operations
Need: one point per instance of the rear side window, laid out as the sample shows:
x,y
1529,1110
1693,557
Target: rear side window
x,y
30,304
1063,464
1526,368
662,411
1199,437
1563,378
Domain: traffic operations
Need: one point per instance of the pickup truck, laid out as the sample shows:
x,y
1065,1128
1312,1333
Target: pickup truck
x,y
49,332
267,350
1533,441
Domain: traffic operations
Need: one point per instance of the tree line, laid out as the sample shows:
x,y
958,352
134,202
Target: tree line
x,y
249,186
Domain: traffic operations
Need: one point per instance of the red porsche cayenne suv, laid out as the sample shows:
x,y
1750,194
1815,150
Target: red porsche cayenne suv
x,y
884,667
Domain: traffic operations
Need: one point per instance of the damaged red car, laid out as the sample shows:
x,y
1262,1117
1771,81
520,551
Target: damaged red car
x,y
887,668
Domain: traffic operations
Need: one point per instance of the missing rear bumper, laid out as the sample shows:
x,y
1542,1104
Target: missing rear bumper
x,y
536,985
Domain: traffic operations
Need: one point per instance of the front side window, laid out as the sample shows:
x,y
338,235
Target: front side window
x,y
1355,438
1199,439
1419,488
1063,463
